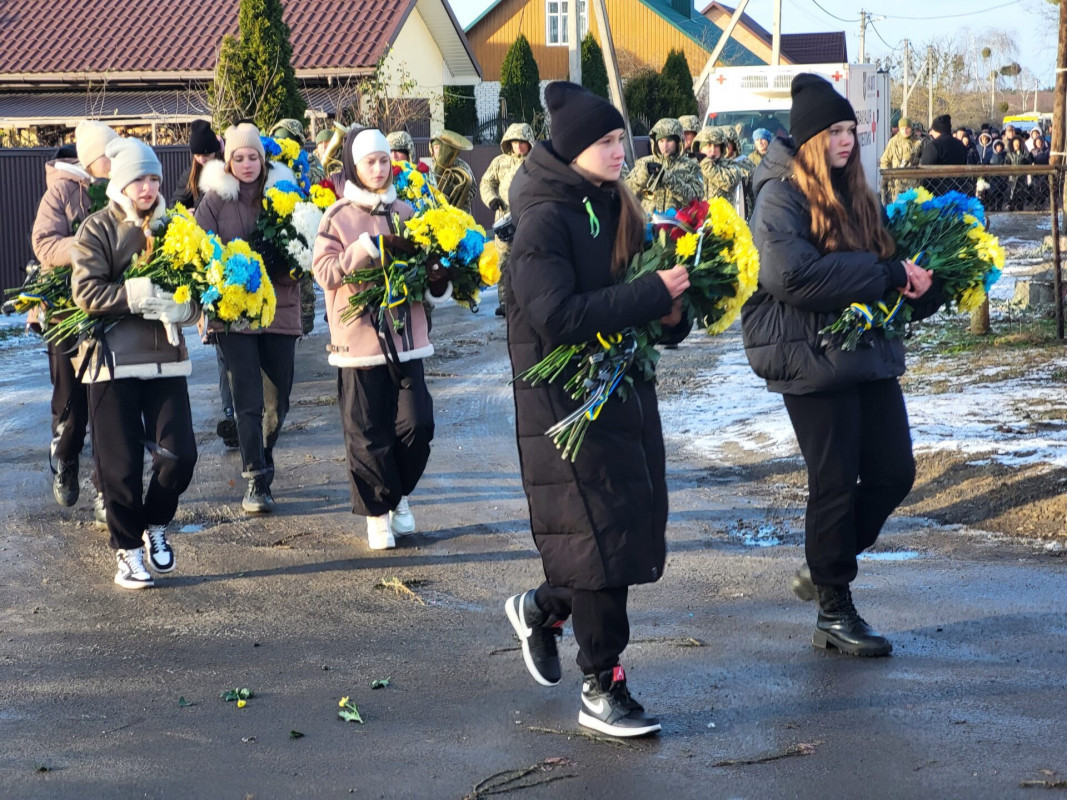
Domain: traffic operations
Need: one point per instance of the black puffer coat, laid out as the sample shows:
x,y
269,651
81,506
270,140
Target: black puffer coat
x,y
801,291
600,521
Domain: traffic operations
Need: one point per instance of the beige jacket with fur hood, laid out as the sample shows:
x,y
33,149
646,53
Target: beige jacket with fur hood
x,y
64,206
229,209
338,252
132,347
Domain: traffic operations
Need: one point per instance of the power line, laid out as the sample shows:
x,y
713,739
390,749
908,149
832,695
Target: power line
x,y
997,7
827,13
887,44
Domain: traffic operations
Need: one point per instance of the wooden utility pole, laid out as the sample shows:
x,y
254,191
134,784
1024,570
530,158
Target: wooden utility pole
x,y
574,43
1059,102
705,74
611,64
863,37
930,76
776,34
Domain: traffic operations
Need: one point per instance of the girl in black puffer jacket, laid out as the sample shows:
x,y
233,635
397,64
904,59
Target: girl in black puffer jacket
x,y
823,245
598,522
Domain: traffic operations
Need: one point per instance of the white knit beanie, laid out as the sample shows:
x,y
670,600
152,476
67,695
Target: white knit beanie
x,y
130,159
244,135
90,139
369,141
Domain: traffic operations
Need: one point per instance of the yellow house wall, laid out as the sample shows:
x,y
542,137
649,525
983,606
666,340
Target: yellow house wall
x,y
642,38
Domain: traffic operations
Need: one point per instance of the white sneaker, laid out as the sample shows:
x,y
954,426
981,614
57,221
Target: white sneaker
x,y
160,553
380,533
402,520
132,574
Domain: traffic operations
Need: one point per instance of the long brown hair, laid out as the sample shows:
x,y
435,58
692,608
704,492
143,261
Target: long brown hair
x,y
834,227
193,184
630,235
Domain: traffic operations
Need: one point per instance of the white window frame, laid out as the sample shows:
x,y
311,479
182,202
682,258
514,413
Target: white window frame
x,y
559,15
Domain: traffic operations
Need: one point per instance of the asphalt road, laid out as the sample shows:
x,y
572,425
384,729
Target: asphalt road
x,y
107,693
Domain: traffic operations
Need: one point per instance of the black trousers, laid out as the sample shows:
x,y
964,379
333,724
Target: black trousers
x,y
68,437
599,620
857,447
388,430
224,384
127,416
260,370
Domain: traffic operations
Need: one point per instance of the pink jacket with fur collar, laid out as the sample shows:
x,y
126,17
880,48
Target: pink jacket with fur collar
x,y
338,252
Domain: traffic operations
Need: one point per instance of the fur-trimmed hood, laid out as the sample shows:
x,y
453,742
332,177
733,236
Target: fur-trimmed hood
x,y
367,199
215,178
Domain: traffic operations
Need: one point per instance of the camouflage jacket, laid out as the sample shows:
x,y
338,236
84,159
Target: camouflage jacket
x,y
496,181
678,183
720,178
900,152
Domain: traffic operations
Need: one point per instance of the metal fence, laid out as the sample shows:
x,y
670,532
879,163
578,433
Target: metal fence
x,y
22,176
1030,189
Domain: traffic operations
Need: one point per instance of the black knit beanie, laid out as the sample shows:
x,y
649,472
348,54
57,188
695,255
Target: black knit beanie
x,y
942,124
816,106
579,118
202,140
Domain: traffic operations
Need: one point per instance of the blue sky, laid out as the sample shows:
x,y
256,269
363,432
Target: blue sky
x,y
915,19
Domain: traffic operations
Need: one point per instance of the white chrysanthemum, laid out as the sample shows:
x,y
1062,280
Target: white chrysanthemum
x,y
306,218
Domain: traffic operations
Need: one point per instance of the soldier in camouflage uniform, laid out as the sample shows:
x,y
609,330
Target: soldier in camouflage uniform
x,y
690,127
496,182
666,179
746,167
720,176
448,168
401,146
903,150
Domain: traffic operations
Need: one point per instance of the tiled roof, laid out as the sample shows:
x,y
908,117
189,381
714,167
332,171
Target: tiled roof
x,y
800,48
705,33
182,36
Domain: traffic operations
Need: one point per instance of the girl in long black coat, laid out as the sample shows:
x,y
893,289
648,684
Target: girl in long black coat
x,y
822,244
598,522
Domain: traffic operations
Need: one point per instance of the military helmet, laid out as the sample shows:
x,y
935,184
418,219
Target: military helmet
x,y
288,129
454,140
665,129
690,123
517,132
711,134
401,140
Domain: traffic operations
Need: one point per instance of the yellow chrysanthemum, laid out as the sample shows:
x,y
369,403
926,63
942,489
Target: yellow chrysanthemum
x,y
686,246
489,266
972,298
238,246
922,195
181,294
322,196
344,701
290,150
282,202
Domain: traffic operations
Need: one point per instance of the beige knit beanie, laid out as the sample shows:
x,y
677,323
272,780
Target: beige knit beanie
x,y
90,139
244,135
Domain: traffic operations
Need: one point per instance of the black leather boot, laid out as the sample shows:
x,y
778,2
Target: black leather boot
x,y
841,627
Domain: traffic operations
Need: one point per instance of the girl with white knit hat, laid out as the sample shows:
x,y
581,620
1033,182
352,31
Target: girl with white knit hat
x,y
386,410
259,362
135,367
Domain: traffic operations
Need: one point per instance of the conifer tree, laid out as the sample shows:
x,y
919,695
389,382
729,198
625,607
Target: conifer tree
x,y
594,73
254,76
520,82
676,86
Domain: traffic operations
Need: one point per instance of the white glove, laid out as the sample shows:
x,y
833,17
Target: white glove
x,y
369,245
140,292
171,314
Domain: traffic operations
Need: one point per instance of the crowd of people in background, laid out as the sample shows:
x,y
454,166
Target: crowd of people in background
x,y
962,146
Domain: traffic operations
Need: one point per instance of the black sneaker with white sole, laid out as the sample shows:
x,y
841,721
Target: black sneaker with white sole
x,y
160,553
131,573
538,640
607,706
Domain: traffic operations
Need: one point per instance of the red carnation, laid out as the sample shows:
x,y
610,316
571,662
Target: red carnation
x,y
397,169
421,167
326,183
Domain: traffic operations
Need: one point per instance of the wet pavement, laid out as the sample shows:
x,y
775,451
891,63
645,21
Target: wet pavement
x,y
109,694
